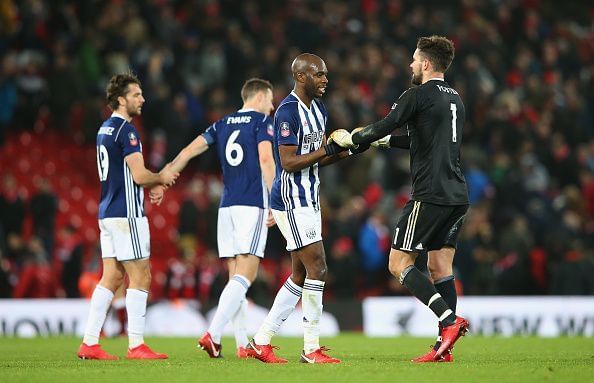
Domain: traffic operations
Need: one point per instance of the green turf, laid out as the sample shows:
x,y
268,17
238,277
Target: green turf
x,y
367,360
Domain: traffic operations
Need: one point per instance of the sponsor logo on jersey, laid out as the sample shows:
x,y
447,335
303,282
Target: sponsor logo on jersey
x,y
133,139
270,130
284,129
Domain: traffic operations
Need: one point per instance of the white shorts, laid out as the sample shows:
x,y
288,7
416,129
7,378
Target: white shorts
x,y
300,227
125,239
241,230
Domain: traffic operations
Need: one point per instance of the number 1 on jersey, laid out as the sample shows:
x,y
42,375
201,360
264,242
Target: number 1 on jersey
x,y
454,116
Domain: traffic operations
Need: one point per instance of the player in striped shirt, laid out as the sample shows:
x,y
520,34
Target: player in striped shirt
x,y
300,148
125,240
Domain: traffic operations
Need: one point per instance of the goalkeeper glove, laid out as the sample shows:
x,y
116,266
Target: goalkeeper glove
x,y
383,142
332,148
342,138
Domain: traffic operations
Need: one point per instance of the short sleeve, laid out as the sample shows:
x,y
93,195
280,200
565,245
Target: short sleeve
x,y
265,130
286,123
129,140
210,134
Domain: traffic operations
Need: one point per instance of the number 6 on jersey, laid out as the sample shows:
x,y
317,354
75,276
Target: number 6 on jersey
x,y
231,147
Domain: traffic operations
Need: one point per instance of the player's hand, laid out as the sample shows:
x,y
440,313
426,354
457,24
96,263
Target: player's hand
x,y
168,176
156,194
360,148
383,142
270,220
332,148
342,138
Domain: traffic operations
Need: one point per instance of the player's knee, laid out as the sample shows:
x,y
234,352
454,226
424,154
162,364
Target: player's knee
x,y
318,272
112,281
397,264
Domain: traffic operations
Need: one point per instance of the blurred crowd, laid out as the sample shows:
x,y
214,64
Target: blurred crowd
x,y
524,69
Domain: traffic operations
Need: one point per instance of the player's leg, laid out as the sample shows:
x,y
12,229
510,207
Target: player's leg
x,y
439,263
134,252
285,301
111,279
313,258
232,296
415,225
118,304
239,319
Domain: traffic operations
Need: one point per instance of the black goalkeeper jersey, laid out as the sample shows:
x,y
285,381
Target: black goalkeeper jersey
x,y
434,115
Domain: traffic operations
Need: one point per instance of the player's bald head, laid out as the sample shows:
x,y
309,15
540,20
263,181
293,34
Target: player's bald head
x,y
305,62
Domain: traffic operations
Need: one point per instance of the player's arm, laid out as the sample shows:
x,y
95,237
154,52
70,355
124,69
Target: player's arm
x,y
144,177
334,153
400,114
266,162
291,162
195,148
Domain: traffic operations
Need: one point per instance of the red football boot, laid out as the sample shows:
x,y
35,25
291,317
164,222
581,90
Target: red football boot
x,y
318,356
144,352
242,353
430,357
94,352
264,353
451,334
212,349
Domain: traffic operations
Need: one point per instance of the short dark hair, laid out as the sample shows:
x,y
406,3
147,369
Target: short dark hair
x,y
118,87
253,86
437,49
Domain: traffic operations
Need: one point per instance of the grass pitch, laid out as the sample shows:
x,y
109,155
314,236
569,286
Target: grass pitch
x,y
368,360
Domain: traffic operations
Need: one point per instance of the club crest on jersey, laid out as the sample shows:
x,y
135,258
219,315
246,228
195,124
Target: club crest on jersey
x,y
133,139
284,129
270,130
310,233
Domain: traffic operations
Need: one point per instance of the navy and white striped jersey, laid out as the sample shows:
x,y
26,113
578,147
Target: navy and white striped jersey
x,y
296,124
237,136
120,196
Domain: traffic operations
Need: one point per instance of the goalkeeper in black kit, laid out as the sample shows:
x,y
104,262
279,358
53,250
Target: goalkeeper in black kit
x,y
434,117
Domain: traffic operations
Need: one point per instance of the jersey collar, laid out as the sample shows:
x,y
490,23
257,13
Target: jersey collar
x,y
116,114
246,110
436,78
299,100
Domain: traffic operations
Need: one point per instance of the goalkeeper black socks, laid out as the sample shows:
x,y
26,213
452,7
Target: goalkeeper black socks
x,y
422,288
447,289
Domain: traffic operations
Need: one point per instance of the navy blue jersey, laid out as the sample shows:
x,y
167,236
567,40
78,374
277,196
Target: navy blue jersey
x,y
237,136
296,124
120,196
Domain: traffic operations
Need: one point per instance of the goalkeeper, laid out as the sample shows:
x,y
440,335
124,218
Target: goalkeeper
x,y
433,114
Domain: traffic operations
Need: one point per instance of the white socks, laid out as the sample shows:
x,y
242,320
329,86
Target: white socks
x,y
231,298
100,302
239,324
284,304
136,309
313,291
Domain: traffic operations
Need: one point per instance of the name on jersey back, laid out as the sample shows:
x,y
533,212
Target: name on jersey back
x,y
107,130
446,89
239,120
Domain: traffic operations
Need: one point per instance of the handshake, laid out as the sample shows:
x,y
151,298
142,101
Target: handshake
x,y
344,139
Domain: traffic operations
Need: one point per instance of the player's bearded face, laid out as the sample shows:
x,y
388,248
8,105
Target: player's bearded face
x,y
416,66
134,100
